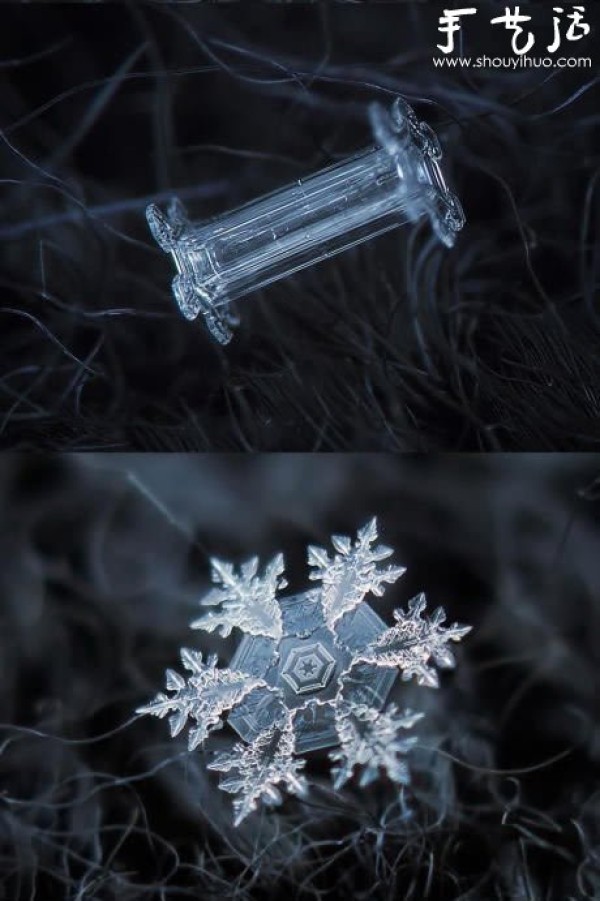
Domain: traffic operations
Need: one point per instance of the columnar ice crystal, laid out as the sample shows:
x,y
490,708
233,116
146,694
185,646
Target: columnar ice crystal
x,y
313,671
399,181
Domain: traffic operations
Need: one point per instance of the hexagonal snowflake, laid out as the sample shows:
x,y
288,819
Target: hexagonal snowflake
x,y
313,671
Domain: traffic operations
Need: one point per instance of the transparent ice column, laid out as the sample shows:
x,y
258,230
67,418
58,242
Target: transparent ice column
x,y
396,182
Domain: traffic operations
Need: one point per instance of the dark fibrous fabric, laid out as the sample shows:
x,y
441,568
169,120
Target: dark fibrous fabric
x,y
396,345
104,560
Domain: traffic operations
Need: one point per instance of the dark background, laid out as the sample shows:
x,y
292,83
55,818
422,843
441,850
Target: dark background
x,y
103,560
396,345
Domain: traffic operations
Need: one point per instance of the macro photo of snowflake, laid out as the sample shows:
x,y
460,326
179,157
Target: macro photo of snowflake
x,y
313,671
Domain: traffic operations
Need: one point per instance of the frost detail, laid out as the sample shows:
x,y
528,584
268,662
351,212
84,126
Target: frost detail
x,y
352,573
203,697
246,600
260,768
369,739
413,642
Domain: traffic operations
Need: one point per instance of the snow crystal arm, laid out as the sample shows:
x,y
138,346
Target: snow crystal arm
x,y
203,697
413,642
260,768
246,601
369,739
352,573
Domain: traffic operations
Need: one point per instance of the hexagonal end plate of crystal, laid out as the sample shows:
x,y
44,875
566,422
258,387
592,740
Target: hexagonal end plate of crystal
x,y
306,666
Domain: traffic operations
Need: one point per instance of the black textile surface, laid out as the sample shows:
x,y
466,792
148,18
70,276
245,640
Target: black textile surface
x,y
103,561
396,345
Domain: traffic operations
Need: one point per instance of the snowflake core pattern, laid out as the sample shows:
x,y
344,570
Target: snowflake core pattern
x,y
313,671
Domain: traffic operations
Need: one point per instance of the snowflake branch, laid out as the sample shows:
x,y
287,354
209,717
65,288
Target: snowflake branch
x,y
261,767
352,573
204,697
369,738
413,642
247,601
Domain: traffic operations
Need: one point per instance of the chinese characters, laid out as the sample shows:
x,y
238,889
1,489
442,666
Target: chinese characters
x,y
578,28
450,24
513,22
523,38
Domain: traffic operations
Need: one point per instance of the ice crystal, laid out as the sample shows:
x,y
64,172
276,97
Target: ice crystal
x,y
204,697
313,671
259,769
413,642
265,240
353,572
248,602
369,739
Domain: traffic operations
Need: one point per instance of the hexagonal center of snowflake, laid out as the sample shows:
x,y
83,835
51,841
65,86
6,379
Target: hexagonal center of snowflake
x,y
305,667
308,668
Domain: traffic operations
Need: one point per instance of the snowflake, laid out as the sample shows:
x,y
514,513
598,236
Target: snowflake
x,y
313,671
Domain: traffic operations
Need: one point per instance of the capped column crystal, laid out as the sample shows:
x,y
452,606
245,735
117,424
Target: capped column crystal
x,y
396,182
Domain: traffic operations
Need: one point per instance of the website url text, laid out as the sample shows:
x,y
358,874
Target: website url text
x,y
512,62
